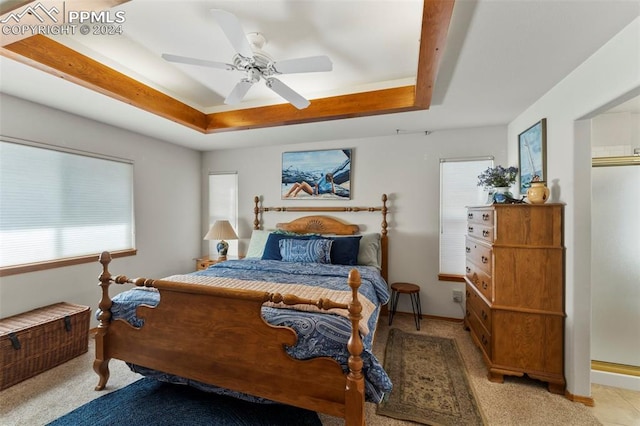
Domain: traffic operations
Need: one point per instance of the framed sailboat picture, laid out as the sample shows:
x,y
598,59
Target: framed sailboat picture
x,y
322,174
532,154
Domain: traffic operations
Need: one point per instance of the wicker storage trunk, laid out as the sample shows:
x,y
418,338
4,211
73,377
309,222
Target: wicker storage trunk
x,y
38,340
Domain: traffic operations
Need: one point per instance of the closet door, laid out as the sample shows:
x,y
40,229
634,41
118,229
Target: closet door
x,y
615,266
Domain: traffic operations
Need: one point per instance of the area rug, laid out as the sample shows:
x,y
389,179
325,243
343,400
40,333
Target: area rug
x,y
149,402
430,385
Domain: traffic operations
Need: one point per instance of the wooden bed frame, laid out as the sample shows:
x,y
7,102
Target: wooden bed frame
x,y
218,336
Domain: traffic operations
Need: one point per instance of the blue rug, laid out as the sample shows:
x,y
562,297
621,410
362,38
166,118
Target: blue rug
x,y
148,402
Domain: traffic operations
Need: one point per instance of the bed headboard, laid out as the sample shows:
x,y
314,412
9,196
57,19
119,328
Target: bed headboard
x,y
326,224
318,225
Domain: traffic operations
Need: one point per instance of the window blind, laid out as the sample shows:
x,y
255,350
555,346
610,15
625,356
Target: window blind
x,y
59,204
458,189
223,205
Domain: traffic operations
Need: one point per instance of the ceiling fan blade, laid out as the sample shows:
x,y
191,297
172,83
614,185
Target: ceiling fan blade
x,y
309,64
233,30
200,62
238,92
287,93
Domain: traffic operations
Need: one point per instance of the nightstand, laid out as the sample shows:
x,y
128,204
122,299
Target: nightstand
x,y
204,262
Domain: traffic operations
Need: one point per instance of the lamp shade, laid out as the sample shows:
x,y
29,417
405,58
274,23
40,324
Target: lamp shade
x,y
221,230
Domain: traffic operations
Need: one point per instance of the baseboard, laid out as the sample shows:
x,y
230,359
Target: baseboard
x,y
586,400
623,381
425,316
435,317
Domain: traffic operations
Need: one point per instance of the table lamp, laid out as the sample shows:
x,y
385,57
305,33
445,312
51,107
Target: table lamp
x,y
221,230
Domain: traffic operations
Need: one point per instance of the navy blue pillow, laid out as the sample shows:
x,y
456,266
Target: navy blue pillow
x,y
272,247
344,250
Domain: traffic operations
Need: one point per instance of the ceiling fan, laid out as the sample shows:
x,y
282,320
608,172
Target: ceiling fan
x,y
255,63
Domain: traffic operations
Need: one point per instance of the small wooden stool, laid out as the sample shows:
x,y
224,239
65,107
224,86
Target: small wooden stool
x,y
414,292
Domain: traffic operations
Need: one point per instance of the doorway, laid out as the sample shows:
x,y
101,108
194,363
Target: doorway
x,y
615,246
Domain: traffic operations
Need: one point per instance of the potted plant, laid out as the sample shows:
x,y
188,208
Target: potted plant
x,y
498,181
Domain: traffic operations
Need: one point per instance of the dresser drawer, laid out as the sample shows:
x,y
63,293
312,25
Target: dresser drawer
x,y
483,216
481,280
479,254
485,233
482,336
479,307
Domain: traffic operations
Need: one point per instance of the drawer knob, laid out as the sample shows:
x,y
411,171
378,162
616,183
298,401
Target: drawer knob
x,y
470,229
468,269
484,340
485,216
468,249
470,215
485,233
485,259
484,315
484,285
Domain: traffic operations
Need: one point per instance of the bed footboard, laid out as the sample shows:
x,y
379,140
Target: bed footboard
x,y
218,336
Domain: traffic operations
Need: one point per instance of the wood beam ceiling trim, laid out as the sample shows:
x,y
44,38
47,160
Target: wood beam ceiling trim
x,y
384,101
436,16
50,56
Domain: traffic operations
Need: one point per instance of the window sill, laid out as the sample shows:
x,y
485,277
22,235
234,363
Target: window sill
x,y
41,266
451,277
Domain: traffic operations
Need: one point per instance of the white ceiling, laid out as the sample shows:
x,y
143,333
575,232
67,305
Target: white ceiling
x,y
501,55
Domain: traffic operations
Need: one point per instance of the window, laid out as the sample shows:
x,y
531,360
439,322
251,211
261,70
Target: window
x,y
458,189
59,204
223,205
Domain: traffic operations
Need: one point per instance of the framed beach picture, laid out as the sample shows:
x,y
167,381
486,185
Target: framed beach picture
x,y
532,154
322,174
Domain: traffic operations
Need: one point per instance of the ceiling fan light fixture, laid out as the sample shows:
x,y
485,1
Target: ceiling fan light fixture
x,y
253,75
256,63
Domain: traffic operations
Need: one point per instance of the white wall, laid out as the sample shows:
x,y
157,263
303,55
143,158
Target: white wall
x,y
613,72
167,205
405,167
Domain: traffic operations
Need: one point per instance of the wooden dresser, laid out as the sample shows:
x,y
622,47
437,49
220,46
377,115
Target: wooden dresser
x,y
515,290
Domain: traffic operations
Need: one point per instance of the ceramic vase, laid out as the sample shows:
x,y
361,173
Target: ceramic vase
x,y
222,248
501,194
538,193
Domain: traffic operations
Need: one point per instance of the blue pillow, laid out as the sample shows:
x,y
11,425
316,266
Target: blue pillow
x,y
309,251
272,247
344,250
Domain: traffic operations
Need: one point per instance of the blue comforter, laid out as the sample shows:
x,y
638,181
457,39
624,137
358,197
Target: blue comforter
x,y
318,334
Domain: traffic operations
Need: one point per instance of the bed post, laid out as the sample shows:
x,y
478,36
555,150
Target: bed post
x,y
101,363
256,212
354,392
384,241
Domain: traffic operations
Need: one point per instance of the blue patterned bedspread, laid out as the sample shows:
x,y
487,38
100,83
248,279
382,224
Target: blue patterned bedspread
x,y
318,334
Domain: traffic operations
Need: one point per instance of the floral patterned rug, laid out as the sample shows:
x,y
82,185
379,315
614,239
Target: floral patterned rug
x,y
430,384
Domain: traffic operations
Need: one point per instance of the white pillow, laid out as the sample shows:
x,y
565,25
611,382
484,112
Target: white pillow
x,y
257,243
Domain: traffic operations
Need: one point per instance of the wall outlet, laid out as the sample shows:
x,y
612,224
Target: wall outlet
x,y
457,296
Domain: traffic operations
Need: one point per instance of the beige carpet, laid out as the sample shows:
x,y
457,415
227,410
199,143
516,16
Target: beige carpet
x,y
430,381
516,402
51,394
